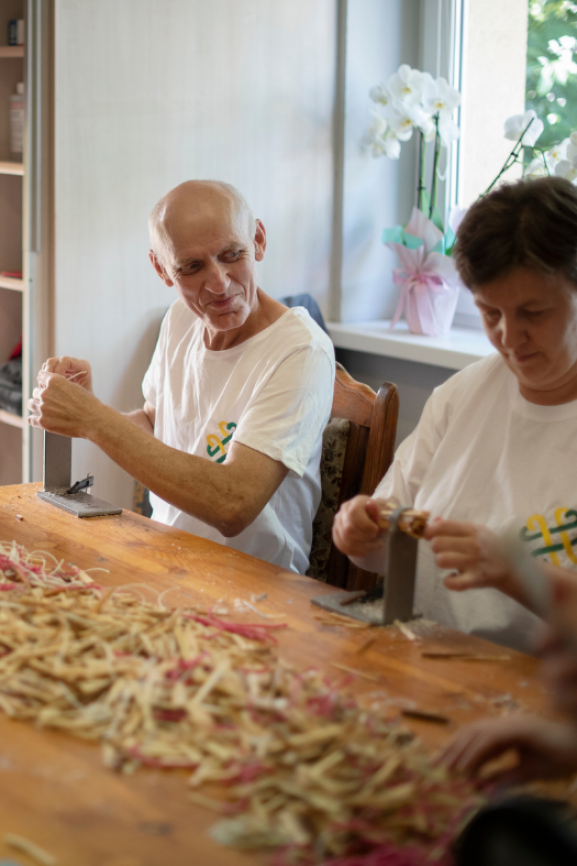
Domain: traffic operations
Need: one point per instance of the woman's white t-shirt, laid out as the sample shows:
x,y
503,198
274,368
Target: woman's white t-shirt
x,y
483,453
273,393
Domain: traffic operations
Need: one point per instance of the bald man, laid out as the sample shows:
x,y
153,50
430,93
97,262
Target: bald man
x,y
236,397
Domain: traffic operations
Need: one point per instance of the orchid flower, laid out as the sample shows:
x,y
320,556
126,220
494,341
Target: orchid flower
x,y
529,122
414,100
567,168
439,97
406,85
537,167
401,122
382,140
381,94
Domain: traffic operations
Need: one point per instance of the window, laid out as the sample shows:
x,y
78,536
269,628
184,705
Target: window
x,y
552,67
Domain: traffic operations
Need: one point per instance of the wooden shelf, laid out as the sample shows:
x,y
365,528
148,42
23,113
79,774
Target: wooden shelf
x,y
11,283
11,168
7,51
11,420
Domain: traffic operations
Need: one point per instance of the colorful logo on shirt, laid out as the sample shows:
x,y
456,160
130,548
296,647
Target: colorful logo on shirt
x,y
555,538
217,447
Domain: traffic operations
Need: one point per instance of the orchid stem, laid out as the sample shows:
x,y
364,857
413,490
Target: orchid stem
x,y
543,157
435,167
511,159
421,187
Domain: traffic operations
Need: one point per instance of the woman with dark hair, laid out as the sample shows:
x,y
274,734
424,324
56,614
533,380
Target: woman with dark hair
x,y
496,443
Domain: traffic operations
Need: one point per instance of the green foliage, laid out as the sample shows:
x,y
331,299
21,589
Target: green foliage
x,y
552,67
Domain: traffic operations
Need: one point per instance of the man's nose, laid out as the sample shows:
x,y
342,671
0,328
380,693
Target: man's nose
x,y
216,280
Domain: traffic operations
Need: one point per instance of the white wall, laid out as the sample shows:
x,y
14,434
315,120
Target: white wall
x,y
378,193
152,92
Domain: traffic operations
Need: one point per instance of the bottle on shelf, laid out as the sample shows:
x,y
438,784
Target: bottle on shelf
x,y
17,122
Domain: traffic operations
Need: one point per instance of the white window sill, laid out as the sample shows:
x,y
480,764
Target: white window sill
x,y
463,346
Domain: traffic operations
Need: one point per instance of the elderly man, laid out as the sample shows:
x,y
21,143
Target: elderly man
x,y
236,396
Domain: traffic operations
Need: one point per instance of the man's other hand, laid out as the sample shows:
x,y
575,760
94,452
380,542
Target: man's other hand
x,y
355,529
73,369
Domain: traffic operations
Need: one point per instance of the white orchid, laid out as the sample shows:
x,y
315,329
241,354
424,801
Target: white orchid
x,y
571,151
401,122
448,130
537,167
413,100
381,94
406,85
557,153
567,168
428,129
375,135
529,122
439,97
391,145
382,140
560,160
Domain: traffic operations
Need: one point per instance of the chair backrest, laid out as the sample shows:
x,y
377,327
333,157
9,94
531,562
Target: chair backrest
x,y
368,454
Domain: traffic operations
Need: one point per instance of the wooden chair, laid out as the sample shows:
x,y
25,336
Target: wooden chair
x,y
370,443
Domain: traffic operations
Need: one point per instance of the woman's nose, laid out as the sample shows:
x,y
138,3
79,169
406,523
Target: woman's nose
x,y
511,332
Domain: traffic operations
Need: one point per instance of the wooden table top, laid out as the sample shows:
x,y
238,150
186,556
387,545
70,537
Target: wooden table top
x,y
54,789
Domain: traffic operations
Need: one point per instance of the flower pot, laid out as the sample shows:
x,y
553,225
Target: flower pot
x,y
428,278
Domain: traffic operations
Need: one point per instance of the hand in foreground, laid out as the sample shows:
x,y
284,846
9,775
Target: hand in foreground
x,y
475,553
545,749
71,368
355,529
60,406
558,647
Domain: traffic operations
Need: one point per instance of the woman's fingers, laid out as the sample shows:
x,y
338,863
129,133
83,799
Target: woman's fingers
x,y
455,544
454,528
355,532
462,582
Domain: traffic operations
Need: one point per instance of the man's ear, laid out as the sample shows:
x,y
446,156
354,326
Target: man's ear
x,y
158,267
259,241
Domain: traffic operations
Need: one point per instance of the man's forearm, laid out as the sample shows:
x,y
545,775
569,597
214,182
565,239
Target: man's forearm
x,y
208,491
140,419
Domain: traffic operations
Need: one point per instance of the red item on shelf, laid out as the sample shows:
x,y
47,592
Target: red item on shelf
x,y
17,275
16,351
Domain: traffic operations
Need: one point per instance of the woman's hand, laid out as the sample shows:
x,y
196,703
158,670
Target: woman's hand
x,y
71,368
475,554
355,529
545,749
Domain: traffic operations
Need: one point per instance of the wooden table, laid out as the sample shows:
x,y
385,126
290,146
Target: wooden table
x,y
54,789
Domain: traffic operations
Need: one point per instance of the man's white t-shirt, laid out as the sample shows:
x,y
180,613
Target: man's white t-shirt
x,y
483,453
273,393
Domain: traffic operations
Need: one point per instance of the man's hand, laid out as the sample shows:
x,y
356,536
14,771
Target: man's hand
x,y
545,749
64,407
475,554
355,529
71,368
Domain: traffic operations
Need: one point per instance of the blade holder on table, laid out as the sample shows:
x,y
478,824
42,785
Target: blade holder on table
x,y
399,587
57,481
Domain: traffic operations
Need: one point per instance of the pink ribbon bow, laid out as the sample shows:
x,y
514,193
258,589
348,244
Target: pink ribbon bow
x,y
415,299
429,280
